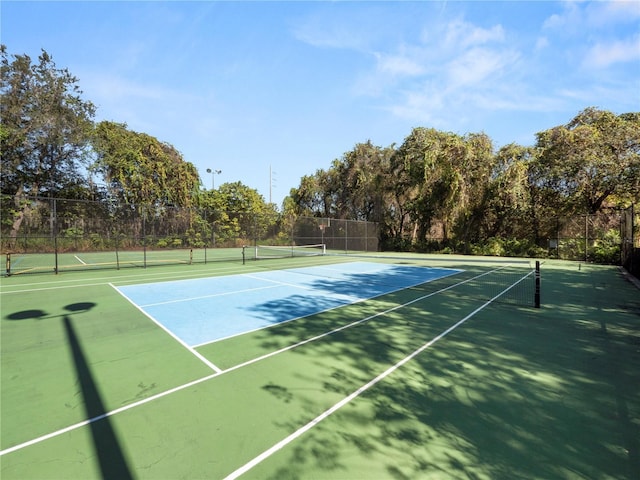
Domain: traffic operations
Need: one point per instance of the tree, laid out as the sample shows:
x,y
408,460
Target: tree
x,y
46,128
249,215
315,195
593,159
507,207
140,169
360,177
440,176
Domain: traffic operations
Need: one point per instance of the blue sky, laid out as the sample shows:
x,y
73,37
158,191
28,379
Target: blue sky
x,y
243,87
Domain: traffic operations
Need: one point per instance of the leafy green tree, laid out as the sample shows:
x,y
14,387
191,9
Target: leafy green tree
x,y
592,160
472,167
507,205
46,128
440,176
140,169
359,178
353,187
315,195
248,215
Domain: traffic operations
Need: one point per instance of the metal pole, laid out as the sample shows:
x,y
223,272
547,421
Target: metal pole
x,y
213,173
633,244
586,238
55,233
537,291
144,239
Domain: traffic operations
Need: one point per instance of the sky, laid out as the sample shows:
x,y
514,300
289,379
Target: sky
x,y
267,92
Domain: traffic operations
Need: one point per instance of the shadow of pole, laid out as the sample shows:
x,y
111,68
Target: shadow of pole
x,y
110,456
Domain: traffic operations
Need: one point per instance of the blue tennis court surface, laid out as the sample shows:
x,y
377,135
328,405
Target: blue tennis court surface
x,y
205,310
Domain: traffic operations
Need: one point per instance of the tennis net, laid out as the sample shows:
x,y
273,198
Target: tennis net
x,y
262,252
512,285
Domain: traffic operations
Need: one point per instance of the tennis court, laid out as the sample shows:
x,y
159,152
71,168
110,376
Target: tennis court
x,y
411,366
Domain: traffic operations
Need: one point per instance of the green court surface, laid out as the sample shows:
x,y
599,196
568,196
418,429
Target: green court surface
x,y
454,378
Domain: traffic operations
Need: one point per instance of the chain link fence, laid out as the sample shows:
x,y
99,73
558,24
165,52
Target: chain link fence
x,y
607,237
44,234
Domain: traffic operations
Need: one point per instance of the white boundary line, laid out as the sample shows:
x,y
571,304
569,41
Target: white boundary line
x,y
198,355
80,260
126,279
105,415
279,282
236,367
213,295
284,442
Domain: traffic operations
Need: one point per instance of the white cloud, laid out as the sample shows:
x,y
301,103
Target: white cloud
x,y
542,43
449,72
424,105
401,65
325,30
568,19
461,34
602,55
453,74
612,12
599,14
474,66
333,37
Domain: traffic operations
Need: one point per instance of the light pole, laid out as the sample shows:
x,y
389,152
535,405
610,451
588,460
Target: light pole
x,y
213,177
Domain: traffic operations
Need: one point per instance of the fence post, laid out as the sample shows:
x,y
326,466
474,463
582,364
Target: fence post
x,y
54,226
586,238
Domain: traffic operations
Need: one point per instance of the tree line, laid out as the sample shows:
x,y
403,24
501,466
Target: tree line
x,y
459,190
455,190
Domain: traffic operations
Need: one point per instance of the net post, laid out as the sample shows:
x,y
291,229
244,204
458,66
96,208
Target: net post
x,y
243,254
55,253
190,256
537,291
8,264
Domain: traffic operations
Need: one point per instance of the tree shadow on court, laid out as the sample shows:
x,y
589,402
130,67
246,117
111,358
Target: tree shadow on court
x,y
510,394
111,459
330,294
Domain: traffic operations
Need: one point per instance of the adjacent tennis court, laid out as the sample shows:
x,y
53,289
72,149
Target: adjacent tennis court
x,y
409,366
